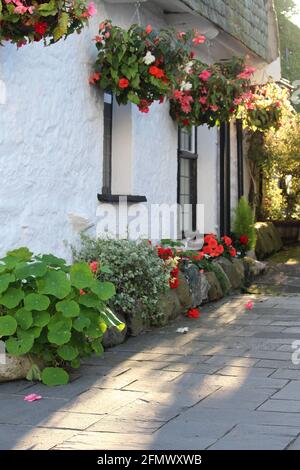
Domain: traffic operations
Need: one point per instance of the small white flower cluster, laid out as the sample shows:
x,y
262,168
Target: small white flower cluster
x,y
186,86
149,58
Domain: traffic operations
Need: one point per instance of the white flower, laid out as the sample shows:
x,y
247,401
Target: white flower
x,y
186,86
149,58
188,68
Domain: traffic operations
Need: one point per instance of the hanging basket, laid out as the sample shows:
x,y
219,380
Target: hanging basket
x,y
25,21
140,65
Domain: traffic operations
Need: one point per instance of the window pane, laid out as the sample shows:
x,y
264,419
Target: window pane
x,y
185,167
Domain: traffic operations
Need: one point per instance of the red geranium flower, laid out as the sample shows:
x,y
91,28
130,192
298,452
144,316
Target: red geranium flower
x,y
164,253
94,265
208,237
227,241
156,71
40,27
232,252
148,29
123,83
95,77
244,240
174,282
193,313
199,256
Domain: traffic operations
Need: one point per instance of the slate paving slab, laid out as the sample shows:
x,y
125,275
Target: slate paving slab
x,y
229,383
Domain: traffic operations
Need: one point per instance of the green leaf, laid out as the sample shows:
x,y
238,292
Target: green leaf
x,y
47,9
75,363
58,317
12,297
89,300
81,276
40,319
53,261
68,352
59,334
103,290
3,267
36,302
81,322
24,318
62,26
5,280
34,373
133,98
25,270
8,325
19,346
21,254
69,308
55,283
97,346
54,376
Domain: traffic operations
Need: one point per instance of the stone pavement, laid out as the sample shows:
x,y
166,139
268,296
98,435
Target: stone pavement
x,y
229,383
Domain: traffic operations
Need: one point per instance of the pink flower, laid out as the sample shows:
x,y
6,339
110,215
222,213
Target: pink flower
x,y
186,103
20,9
92,9
149,29
249,305
214,108
32,397
237,101
82,292
247,73
199,40
94,265
205,75
178,94
203,100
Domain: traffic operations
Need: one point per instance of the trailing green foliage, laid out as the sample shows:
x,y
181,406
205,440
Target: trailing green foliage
x,y
51,311
136,270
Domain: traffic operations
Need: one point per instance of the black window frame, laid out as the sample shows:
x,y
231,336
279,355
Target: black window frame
x,y
107,142
192,157
240,156
225,179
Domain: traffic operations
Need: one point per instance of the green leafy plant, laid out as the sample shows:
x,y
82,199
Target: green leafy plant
x,y
52,312
139,275
25,21
243,227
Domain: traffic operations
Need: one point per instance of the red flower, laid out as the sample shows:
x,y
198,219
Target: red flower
x,y
227,241
148,29
144,106
185,122
94,266
82,292
212,243
199,256
164,253
156,71
232,252
174,282
95,77
244,240
208,237
199,40
123,83
220,250
193,313
40,28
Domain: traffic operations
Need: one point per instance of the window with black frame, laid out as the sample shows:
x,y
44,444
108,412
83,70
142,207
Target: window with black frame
x,y
187,175
107,143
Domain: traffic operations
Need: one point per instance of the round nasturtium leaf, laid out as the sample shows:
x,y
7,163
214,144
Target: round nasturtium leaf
x,y
36,302
55,283
5,280
40,319
103,290
89,300
12,297
53,261
97,346
81,276
54,376
59,321
21,254
8,325
60,334
24,318
68,352
25,270
69,308
19,346
81,322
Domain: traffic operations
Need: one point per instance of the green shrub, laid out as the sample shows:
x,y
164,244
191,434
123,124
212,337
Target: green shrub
x,y
51,311
243,225
139,275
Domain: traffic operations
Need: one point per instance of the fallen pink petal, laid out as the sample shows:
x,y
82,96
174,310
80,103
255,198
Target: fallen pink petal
x,y
249,305
32,397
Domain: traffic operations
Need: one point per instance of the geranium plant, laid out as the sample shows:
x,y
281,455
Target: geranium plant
x,y
52,312
139,65
25,21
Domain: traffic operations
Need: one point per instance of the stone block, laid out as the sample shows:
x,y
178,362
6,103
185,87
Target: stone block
x,y
232,272
215,290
